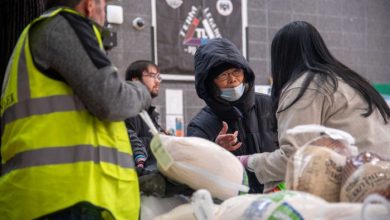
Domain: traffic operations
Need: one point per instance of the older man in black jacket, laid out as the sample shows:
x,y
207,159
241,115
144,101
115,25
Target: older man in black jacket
x,y
235,117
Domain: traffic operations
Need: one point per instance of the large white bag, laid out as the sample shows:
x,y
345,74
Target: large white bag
x,y
294,205
198,163
289,205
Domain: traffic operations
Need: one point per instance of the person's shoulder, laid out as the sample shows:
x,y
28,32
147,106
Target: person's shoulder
x,y
262,96
205,124
298,82
263,103
134,120
51,31
205,112
204,116
318,83
47,25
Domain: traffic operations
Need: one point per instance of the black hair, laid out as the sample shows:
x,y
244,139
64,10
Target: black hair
x,y
136,69
298,48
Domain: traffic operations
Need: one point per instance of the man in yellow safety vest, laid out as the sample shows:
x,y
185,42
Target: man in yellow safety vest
x,y
65,149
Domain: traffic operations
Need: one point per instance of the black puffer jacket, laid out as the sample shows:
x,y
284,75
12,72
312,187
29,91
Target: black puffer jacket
x,y
251,115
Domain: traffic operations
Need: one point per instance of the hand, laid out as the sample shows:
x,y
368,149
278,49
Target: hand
x,y
227,141
140,161
244,160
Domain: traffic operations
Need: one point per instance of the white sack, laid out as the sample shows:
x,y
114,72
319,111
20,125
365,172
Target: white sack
x,y
294,205
200,164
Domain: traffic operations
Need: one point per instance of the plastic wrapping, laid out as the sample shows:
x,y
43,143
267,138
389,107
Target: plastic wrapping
x,y
363,175
316,167
289,205
200,164
200,208
152,206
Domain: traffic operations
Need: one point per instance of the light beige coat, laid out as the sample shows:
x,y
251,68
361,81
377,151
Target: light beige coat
x,y
342,110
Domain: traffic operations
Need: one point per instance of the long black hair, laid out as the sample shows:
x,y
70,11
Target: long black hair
x,y
298,48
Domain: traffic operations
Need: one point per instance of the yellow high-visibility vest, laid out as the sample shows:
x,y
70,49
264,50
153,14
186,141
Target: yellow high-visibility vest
x,y
54,152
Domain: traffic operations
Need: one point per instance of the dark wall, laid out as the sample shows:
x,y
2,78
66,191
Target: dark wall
x,y
356,31
15,15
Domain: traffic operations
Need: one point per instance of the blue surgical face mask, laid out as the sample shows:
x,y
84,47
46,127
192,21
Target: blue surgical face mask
x,y
232,94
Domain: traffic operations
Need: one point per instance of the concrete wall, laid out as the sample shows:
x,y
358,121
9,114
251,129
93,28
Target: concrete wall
x,y
356,31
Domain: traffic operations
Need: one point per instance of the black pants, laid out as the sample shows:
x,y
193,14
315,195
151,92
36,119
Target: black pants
x,y
80,211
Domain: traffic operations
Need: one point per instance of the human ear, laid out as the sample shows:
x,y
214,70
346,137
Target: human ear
x,y
89,7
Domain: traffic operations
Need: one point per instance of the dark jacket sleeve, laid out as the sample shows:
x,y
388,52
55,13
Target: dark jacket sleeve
x,y
267,123
136,144
140,133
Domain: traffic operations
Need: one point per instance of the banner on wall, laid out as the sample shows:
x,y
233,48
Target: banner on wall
x,y
182,26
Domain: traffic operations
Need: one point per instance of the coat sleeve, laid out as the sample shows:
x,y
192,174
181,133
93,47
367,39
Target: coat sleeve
x,y
68,48
140,137
271,167
136,144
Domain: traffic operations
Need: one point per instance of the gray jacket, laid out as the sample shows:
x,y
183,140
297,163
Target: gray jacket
x,y
65,48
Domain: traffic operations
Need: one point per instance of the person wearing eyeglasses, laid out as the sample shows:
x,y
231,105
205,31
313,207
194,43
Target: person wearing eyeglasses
x,y
150,180
236,118
147,73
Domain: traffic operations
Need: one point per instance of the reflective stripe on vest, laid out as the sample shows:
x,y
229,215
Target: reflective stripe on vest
x,y
26,107
40,106
73,154
54,150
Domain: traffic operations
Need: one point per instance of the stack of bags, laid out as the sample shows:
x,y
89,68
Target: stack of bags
x,y
289,205
330,168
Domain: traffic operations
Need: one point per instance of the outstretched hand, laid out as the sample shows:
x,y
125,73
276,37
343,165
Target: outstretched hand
x,y
227,141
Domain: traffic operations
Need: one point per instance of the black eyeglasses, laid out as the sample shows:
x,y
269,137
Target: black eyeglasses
x,y
224,76
155,76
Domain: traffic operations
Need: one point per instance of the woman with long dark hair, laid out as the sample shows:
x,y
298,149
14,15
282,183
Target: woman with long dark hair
x,y
310,86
